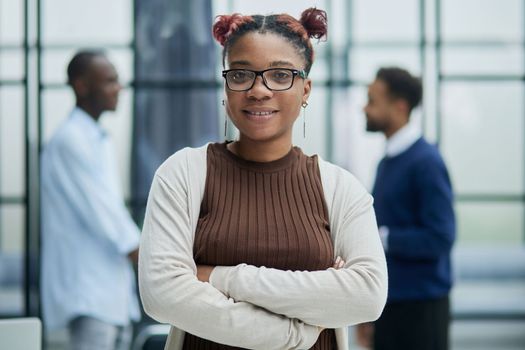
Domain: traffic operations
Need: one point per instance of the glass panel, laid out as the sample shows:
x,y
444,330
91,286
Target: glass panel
x,y
485,20
500,60
430,21
319,72
12,141
55,64
338,23
87,22
119,126
11,22
294,8
482,222
483,136
165,52
384,20
58,103
11,65
11,259
430,89
56,106
354,148
364,62
316,124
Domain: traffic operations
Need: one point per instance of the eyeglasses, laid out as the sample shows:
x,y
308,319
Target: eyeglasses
x,y
275,79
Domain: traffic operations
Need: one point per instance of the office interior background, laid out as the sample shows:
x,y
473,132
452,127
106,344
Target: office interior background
x,y
470,55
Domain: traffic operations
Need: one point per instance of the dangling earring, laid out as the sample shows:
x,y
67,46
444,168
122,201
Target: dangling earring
x,y
304,118
225,123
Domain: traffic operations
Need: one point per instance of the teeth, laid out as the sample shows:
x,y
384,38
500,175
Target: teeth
x,y
261,113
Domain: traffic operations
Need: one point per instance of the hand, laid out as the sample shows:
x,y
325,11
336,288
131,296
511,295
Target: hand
x,y
134,256
339,263
204,272
365,335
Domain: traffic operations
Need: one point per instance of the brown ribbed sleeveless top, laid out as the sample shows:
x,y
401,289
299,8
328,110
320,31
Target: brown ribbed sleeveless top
x,y
264,214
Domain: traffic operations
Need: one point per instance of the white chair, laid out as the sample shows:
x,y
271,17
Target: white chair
x,y
21,333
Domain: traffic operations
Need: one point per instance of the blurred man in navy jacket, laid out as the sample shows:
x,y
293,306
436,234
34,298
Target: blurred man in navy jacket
x,y
414,208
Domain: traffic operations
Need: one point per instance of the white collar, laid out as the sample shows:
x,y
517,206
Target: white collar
x,y
402,140
89,125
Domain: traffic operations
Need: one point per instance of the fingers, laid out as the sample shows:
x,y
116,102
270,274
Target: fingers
x,y
339,263
204,272
365,335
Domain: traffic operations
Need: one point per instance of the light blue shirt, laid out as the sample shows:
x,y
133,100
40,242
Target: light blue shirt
x,y
87,231
402,139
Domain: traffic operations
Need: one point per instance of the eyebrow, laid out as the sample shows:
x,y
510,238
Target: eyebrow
x,y
272,64
240,63
281,63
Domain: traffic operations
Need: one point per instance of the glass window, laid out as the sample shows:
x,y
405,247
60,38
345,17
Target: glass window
x,y
316,123
119,126
11,259
430,88
490,222
55,64
364,62
11,22
294,8
385,21
12,141
319,72
482,20
482,136
338,23
89,23
489,60
354,148
11,64
56,106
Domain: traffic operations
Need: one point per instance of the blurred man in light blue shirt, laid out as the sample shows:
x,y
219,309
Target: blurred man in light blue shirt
x,y
89,240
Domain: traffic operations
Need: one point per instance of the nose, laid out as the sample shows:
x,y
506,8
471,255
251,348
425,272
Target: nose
x,y
259,91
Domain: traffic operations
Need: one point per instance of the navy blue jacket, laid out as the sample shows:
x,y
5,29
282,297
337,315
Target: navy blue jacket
x,y
413,198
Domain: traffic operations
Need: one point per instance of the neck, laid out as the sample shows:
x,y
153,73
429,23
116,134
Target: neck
x,y
395,128
260,151
92,111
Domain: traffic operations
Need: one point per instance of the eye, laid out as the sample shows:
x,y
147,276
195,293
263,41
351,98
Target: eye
x,y
281,75
239,76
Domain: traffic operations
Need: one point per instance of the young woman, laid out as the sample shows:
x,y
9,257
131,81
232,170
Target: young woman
x,y
252,244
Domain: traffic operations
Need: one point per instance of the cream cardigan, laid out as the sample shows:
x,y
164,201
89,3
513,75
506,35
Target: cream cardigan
x,y
247,306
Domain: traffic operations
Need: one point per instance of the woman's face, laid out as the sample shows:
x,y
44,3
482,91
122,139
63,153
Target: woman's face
x,y
260,114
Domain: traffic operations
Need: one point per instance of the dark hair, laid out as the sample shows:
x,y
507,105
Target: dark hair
x,y
312,24
401,84
80,63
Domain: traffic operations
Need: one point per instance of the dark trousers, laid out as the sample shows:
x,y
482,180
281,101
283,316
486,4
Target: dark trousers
x,y
413,325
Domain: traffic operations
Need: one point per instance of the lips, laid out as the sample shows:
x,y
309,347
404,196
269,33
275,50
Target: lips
x,y
259,115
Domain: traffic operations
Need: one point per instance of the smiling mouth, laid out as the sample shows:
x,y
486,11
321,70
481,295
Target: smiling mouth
x,y
259,115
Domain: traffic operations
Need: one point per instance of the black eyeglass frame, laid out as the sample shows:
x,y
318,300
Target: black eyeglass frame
x,y
295,72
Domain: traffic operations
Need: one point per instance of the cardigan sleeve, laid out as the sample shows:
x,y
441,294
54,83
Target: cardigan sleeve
x,y
330,298
171,292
